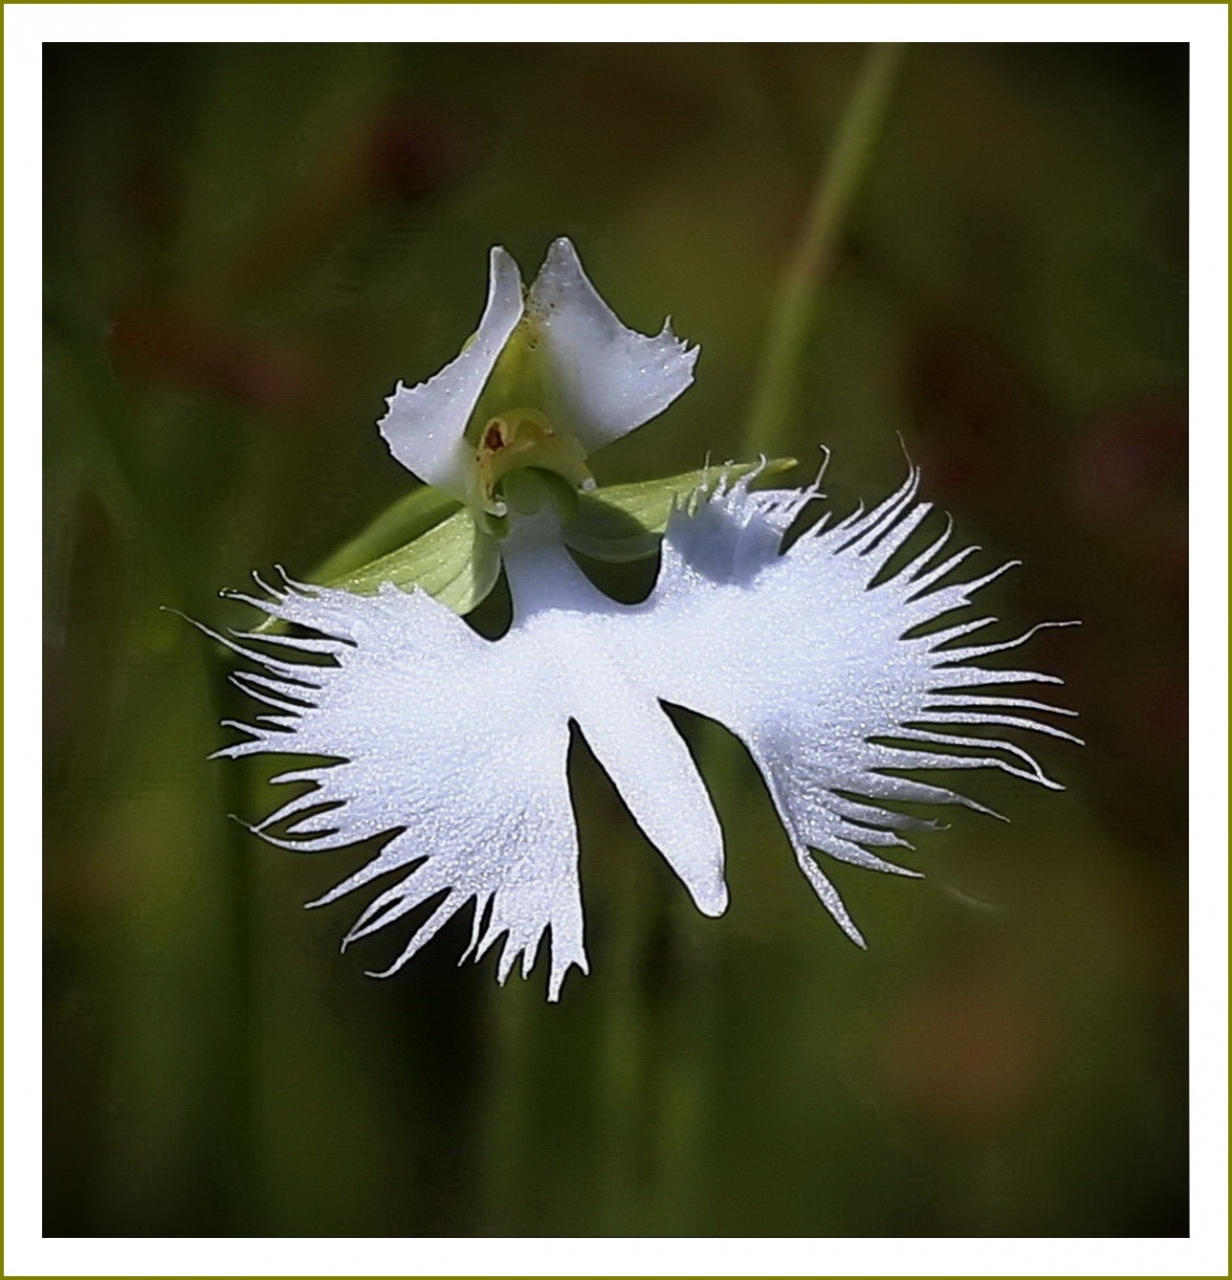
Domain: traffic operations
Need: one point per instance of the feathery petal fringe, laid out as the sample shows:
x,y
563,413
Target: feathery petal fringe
x,y
455,746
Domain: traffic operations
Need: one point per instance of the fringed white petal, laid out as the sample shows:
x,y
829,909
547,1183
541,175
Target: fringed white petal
x,y
805,656
458,745
443,738
425,424
455,747
603,379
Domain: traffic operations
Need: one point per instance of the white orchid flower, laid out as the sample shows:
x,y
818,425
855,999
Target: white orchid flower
x,y
455,746
546,380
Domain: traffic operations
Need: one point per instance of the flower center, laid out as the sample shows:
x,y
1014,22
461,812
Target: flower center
x,y
523,438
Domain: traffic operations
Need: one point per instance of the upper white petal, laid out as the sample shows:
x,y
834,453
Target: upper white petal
x,y
603,379
425,424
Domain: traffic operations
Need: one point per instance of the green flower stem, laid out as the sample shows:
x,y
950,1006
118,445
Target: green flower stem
x,y
685,1100
813,256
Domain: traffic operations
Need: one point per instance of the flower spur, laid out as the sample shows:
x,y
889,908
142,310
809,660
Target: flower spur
x,y
455,747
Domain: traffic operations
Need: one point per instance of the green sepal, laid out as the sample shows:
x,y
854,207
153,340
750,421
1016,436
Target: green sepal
x,y
407,519
625,522
456,562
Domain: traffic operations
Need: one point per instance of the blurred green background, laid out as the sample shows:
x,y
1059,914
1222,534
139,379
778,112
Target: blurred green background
x,y
246,246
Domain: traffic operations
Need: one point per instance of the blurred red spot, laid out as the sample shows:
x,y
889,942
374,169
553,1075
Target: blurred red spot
x,y
965,1060
968,401
1168,714
171,347
412,156
1132,454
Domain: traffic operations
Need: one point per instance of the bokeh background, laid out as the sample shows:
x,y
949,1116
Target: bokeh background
x,y
246,246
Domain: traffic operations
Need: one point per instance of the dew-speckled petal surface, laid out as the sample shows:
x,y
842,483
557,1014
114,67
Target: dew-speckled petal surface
x,y
603,379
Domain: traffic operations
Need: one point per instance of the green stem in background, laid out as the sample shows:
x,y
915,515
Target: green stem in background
x,y
813,256
102,437
685,1102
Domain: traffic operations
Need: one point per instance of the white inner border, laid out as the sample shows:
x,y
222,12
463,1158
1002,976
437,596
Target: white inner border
x,y
1205,26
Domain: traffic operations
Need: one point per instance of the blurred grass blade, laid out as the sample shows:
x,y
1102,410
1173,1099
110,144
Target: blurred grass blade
x,y
813,255
87,404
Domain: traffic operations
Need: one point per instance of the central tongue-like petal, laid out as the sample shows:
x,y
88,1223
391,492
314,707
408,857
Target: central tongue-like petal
x,y
564,619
